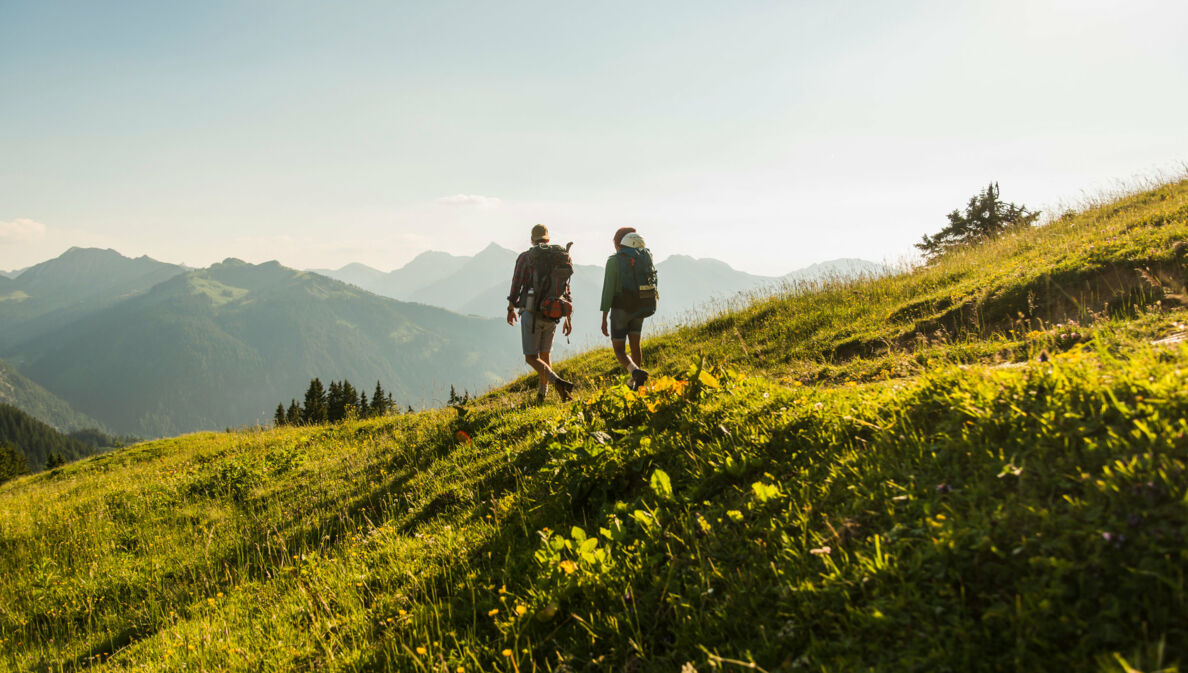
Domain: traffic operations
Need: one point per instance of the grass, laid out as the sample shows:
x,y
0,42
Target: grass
x,y
977,465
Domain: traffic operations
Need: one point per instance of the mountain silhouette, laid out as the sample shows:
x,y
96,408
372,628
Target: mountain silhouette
x,y
218,347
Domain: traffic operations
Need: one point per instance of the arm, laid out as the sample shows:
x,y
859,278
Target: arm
x,y
610,283
517,286
610,286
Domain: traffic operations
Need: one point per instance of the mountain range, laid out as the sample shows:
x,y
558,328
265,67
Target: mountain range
x,y
478,285
152,349
137,346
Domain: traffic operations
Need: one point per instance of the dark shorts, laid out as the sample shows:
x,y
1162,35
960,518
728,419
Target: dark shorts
x,y
536,334
621,325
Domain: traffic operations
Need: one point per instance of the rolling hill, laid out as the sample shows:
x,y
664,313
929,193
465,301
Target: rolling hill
x,y
221,346
976,465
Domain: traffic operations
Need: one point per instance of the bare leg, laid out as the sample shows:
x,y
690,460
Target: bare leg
x,y
542,387
620,349
636,349
541,366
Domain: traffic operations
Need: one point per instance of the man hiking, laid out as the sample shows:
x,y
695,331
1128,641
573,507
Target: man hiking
x,y
540,295
628,296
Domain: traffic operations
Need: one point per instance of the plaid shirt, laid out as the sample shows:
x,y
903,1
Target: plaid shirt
x,y
522,280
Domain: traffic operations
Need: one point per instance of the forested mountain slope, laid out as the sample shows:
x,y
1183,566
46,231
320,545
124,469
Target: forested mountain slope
x,y
220,346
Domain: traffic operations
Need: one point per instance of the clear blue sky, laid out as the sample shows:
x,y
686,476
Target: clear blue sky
x,y
769,135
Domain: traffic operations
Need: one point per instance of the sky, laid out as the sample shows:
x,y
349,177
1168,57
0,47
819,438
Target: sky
x,y
770,135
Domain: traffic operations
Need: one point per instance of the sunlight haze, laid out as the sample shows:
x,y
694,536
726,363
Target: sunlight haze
x,y
768,135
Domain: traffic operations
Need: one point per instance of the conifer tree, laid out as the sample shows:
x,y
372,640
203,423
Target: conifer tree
x,y
293,415
379,403
314,411
364,407
278,419
12,462
335,407
454,399
985,217
54,459
350,398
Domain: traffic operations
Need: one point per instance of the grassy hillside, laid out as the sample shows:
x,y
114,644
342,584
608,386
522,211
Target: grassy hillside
x,y
975,466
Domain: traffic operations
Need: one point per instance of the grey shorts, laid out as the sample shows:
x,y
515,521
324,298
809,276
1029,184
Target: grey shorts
x,y
621,326
536,333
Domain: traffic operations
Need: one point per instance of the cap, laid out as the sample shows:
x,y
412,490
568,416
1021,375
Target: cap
x,y
621,233
540,233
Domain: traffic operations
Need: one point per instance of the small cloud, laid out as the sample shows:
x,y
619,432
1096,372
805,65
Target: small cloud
x,y
21,230
469,200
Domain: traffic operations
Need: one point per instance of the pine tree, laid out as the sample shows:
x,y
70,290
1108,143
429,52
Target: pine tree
x,y
314,411
278,419
12,462
350,398
454,399
364,407
985,217
335,408
293,415
54,459
379,404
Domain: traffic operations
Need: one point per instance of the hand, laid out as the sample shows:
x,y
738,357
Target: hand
x,y
605,331
511,315
567,328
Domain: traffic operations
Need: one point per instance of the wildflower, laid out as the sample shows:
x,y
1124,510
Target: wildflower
x,y
492,612
568,566
508,653
421,650
521,609
821,551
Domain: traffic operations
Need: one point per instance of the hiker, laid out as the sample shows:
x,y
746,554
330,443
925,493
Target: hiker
x,y
540,294
628,296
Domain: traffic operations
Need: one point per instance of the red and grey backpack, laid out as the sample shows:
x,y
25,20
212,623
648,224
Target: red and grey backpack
x,y
551,270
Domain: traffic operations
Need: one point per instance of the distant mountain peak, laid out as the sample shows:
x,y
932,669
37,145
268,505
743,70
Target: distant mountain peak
x,y
493,249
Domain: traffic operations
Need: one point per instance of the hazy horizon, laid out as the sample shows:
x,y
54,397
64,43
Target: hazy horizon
x,y
659,259
768,135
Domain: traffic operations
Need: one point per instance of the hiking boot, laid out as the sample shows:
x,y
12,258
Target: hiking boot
x,y
638,378
564,388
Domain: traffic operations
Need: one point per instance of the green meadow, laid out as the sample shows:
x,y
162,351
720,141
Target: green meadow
x,y
976,465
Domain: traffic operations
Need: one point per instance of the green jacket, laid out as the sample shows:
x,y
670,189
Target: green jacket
x,y
611,283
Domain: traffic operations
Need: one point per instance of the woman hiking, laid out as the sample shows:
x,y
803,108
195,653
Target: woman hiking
x,y
628,296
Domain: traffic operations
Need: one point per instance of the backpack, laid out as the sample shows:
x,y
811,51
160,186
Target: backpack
x,y
551,270
637,279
